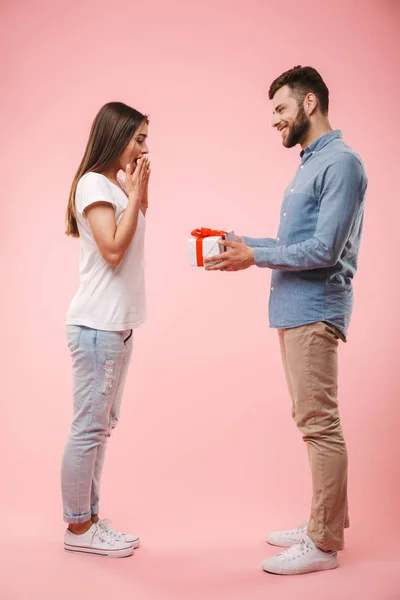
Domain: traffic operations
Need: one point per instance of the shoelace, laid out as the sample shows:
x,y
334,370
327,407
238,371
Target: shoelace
x,y
301,529
297,550
106,535
105,525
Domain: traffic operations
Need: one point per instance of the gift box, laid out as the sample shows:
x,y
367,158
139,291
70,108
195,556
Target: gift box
x,y
203,243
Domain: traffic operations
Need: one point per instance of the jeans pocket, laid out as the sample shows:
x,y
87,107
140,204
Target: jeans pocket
x,y
331,329
129,336
73,337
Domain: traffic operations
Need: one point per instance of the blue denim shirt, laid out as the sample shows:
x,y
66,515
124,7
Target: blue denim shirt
x,y
314,257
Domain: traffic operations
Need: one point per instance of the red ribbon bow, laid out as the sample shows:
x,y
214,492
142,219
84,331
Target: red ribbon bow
x,y
200,235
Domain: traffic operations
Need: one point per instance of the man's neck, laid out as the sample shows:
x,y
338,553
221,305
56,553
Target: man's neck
x,y
316,131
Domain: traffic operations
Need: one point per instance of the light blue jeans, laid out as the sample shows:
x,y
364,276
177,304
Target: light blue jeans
x,y
100,361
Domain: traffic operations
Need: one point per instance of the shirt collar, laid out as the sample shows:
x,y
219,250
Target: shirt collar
x,y
321,142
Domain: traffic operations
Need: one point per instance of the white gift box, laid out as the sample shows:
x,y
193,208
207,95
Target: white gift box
x,y
204,245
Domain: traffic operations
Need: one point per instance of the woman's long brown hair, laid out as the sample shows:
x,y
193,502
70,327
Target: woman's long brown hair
x,y
112,129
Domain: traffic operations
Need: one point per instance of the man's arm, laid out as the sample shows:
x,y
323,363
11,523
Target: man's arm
x,y
340,200
259,242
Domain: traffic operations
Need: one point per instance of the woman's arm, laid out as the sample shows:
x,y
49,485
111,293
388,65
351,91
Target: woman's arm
x,y
112,239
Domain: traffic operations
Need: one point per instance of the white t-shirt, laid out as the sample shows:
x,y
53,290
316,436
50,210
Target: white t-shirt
x,y
109,298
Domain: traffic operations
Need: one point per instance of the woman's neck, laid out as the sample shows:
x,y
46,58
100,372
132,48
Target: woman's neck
x,y
111,174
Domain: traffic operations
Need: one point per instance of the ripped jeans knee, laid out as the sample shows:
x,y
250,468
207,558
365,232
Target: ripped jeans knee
x,y
108,375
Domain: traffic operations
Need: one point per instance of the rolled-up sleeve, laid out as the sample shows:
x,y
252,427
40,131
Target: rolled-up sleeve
x,y
340,199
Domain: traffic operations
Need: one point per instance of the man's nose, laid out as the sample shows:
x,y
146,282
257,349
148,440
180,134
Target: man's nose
x,y
275,120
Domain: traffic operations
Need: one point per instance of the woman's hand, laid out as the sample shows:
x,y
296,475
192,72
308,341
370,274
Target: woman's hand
x,y
136,183
144,204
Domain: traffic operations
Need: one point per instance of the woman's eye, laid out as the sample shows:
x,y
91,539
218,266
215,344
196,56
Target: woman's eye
x,y
139,141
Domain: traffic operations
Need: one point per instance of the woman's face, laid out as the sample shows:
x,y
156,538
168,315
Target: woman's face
x,y
136,148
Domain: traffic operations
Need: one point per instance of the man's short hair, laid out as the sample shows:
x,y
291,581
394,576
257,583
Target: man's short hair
x,y
302,81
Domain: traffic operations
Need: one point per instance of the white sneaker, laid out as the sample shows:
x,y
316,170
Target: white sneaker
x,y
129,538
285,539
97,541
301,558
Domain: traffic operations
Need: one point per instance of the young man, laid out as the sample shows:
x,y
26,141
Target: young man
x,y
313,261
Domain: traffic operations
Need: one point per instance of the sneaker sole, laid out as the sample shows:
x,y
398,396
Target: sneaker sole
x,y
119,553
135,543
328,565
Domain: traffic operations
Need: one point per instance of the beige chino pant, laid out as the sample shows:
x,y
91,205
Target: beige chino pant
x,y
310,360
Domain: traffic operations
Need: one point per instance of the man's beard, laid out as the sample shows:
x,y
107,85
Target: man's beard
x,y
298,130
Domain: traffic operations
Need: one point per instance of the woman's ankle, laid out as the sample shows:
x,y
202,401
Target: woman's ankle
x,y
80,528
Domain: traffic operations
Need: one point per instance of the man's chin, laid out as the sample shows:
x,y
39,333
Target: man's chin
x,y
288,143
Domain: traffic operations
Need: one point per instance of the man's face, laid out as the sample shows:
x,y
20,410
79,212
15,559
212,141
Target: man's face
x,y
289,118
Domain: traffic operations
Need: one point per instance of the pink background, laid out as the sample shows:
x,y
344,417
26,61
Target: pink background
x,y
206,458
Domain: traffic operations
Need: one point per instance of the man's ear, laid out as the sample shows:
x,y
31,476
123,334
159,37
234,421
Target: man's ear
x,y
310,103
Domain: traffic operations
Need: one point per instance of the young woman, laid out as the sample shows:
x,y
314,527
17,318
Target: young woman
x,y
108,215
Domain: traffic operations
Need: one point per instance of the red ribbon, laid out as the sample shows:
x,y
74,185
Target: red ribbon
x,y
200,235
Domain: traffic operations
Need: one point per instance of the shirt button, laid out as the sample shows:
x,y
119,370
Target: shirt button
x,y
284,214
302,167
272,289
277,239
292,190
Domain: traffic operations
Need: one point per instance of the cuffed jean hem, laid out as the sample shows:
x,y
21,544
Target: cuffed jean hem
x,y
78,519
95,510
